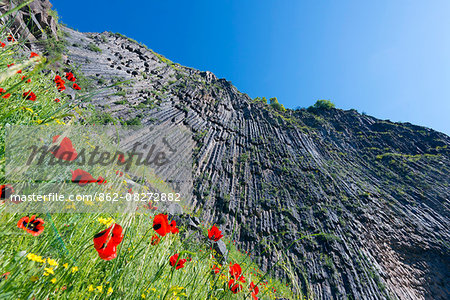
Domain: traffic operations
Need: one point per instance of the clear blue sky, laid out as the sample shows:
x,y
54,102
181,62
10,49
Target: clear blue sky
x,y
388,58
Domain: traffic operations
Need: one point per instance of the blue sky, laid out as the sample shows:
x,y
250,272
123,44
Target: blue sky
x,y
390,59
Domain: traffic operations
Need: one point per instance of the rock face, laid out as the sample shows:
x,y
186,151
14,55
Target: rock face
x,y
33,22
378,189
371,196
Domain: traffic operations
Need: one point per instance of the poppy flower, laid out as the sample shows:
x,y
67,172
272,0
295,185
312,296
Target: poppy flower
x,y
215,234
34,55
6,191
120,173
236,272
70,76
61,88
57,100
255,290
173,227
177,263
10,65
6,96
4,276
121,158
25,77
161,224
31,225
10,38
106,241
65,150
76,87
234,286
150,206
2,45
101,180
216,269
2,90
155,240
81,177
18,72
29,95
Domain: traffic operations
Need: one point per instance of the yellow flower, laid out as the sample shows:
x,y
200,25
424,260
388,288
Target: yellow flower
x,y
110,290
74,269
100,288
143,296
91,288
49,271
53,280
66,265
52,262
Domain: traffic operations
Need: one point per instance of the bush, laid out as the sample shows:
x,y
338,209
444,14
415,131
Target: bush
x,y
94,48
322,104
276,105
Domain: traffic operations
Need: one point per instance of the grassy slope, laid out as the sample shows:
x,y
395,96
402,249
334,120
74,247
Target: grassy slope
x,y
140,270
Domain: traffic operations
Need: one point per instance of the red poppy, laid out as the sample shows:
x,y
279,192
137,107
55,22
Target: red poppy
x,y
29,95
101,180
61,88
10,65
65,150
70,76
31,225
10,38
234,286
121,158
6,191
120,173
57,100
4,276
173,227
150,206
18,72
215,234
161,224
6,96
255,290
177,263
155,240
58,79
106,241
236,272
25,77
34,55
216,269
2,90
2,45
76,87
81,177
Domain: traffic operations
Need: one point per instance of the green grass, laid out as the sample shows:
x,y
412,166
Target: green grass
x,y
140,270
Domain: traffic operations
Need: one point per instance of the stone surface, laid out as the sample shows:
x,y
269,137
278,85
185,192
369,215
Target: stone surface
x,y
378,189
33,22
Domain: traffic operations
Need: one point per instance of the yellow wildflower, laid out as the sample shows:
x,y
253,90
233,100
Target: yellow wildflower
x,y
100,289
110,290
143,296
74,269
66,265
91,288
48,271
53,280
52,262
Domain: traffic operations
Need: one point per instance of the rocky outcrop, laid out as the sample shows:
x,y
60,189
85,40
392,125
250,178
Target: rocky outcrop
x,y
378,190
33,22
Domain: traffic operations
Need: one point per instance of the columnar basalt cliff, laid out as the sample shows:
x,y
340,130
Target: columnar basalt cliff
x,y
378,190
